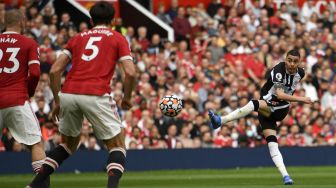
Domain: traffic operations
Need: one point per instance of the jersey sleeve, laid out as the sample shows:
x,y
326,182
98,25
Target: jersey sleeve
x,y
34,68
124,52
301,73
69,47
33,53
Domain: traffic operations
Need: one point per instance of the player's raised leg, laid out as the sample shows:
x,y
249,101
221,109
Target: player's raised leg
x,y
276,156
254,105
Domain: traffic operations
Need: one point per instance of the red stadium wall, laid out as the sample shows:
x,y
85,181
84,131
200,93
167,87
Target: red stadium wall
x,y
87,4
156,3
166,3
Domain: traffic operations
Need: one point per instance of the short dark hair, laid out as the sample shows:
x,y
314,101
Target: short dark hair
x,y
102,13
294,52
13,17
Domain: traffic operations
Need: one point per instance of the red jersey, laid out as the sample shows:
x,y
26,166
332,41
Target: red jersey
x,y
17,52
94,54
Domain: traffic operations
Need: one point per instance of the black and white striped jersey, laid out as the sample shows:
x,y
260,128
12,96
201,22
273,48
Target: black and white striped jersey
x,y
280,78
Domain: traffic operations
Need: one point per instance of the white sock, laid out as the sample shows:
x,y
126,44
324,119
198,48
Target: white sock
x,y
238,113
277,158
37,165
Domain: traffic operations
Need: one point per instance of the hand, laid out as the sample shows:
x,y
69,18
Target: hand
x,y
55,113
307,100
126,104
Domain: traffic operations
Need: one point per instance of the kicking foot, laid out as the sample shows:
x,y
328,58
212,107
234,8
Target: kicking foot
x,y
288,180
215,120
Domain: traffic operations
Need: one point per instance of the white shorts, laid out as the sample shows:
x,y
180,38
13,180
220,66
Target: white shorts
x,y
101,111
22,124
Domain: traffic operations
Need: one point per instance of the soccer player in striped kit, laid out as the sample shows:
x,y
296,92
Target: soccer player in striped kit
x,y
276,95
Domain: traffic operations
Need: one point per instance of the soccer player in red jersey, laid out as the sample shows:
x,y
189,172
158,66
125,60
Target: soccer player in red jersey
x,y
94,55
19,76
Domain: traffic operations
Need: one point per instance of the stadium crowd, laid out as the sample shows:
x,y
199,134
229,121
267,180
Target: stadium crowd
x,y
220,58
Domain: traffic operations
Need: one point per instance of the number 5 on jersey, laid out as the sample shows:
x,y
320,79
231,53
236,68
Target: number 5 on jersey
x,y
91,46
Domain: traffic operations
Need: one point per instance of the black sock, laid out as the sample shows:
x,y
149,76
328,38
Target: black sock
x,y
37,165
54,160
256,105
115,166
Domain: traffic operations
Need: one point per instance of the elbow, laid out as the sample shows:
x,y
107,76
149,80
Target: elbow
x,y
279,95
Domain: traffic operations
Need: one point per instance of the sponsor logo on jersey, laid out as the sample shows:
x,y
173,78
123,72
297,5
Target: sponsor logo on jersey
x,y
278,76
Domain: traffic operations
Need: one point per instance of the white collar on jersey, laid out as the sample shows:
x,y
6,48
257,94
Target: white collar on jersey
x,y
10,32
100,26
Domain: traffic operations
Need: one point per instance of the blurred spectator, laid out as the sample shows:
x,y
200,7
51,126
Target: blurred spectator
x,y
171,138
118,26
163,16
155,45
307,10
207,141
223,139
66,21
53,142
185,137
48,130
329,98
213,7
172,11
83,26
181,25
40,115
142,38
47,13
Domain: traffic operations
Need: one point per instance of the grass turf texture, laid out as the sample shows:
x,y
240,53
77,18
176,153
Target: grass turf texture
x,y
304,177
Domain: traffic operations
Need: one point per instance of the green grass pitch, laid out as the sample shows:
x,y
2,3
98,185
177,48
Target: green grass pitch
x,y
304,177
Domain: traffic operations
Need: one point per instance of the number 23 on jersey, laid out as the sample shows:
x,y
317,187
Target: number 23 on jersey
x,y
12,58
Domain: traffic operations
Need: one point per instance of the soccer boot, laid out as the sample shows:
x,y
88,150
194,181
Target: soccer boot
x,y
215,120
288,180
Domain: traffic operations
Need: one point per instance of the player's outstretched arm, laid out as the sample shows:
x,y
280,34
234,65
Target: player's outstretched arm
x,y
128,68
283,96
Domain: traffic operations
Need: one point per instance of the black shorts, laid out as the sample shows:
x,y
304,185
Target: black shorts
x,y
278,114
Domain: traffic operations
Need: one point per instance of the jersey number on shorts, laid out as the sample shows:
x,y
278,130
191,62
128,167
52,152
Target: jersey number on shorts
x,y
91,46
12,58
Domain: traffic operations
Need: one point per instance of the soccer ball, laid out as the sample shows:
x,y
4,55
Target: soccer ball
x,y
170,105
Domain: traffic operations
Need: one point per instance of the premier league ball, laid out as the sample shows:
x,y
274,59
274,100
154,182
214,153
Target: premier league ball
x,y
170,105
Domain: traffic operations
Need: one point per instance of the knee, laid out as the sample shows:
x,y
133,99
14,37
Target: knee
x,y
116,142
69,148
271,138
